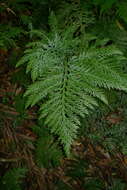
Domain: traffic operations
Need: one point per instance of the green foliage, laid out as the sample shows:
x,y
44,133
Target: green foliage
x,y
78,12
117,185
20,77
79,170
12,179
122,13
116,8
108,126
67,73
48,153
112,30
104,5
8,34
76,66
19,103
112,138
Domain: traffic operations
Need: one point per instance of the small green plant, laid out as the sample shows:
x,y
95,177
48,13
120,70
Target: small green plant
x,y
8,36
12,179
117,185
48,153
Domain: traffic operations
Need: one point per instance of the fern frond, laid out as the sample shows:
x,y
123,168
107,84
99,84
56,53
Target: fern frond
x,y
68,82
78,12
114,31
48,152
12,179
121,11
8,35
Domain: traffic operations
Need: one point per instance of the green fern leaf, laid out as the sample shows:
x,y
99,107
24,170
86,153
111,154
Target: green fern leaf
x,y
68,80
12,179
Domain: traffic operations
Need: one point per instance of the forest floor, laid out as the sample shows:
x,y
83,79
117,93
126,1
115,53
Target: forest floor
x,y
15,151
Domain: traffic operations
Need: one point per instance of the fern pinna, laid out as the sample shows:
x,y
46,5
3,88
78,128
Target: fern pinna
x,y
69,76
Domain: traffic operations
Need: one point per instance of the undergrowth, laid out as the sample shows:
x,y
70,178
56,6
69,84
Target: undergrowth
x,y
63,124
